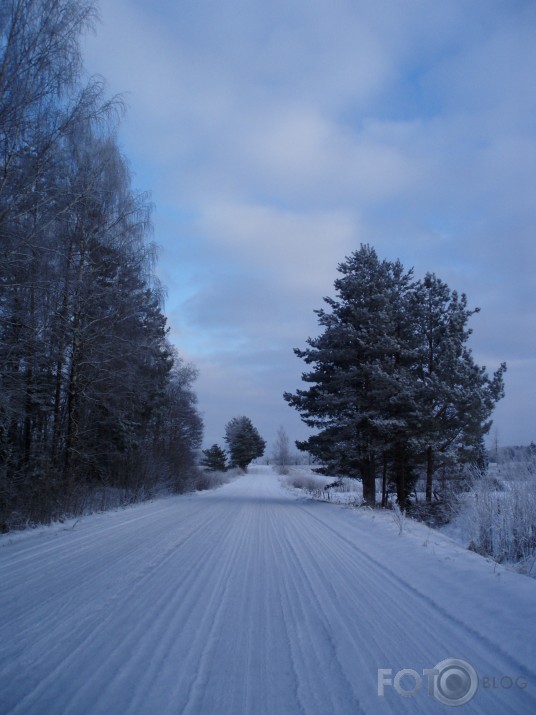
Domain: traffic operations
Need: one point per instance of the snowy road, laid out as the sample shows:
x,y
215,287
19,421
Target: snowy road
x,y
249,601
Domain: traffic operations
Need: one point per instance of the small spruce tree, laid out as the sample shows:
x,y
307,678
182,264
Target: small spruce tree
x,y
214,459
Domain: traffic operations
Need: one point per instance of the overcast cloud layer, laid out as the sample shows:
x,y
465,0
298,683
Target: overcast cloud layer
x,y
276,137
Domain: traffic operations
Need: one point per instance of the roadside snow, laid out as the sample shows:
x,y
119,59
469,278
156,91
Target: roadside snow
x,y
249,600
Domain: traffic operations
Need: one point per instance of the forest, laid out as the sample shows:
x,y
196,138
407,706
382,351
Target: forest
x,y
95,402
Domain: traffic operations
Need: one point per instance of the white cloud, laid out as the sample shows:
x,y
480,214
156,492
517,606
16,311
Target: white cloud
x,y
277,136
298,248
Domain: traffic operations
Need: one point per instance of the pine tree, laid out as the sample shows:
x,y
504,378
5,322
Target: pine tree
x,y
456,397
214,459
244,442
393,382
358,362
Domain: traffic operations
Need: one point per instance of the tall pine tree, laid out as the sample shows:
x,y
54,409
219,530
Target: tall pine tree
x,y
358,366
393,385
456,396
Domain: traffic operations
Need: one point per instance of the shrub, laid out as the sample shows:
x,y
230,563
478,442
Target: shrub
x,y
499,516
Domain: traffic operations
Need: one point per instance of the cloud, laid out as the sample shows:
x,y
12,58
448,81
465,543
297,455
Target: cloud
x,y
278,136
297,247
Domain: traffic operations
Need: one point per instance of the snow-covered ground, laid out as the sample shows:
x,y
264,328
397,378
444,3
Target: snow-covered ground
x,y
249,600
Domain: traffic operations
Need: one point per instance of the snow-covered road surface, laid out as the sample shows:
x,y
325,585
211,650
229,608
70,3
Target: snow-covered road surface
x,y
249,601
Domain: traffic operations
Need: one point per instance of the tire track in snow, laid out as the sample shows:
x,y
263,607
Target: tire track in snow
x,y
212,621
239,602
71,586
167,620
412,609
104,565
88,629
323,686
239,673
24,551
388,582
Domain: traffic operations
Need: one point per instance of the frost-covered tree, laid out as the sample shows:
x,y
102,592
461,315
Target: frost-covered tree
x,y
243,441
92,393
214,459
281,451
358,365
175,431
456,397
393,386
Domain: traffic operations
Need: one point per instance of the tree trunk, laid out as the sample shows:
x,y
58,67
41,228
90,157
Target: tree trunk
x,y
429,474
384,483
73,396
400,471
30,357
72,414
369,482
61,340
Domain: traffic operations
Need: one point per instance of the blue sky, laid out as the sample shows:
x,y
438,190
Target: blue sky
x,y
276,137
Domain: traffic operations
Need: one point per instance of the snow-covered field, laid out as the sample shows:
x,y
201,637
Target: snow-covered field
x,y
249,600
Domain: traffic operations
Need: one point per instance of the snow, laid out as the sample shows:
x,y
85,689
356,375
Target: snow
x,y
252,600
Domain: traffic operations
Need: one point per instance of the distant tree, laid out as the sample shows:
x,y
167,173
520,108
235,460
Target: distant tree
x,y
244,442
282,451
176,429
214,459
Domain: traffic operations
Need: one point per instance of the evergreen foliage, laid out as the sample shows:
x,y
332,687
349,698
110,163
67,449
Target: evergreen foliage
x,y
243,441
214,459
394,389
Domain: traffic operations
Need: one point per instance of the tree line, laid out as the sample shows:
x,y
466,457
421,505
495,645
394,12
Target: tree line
x,y
394,391
92,393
